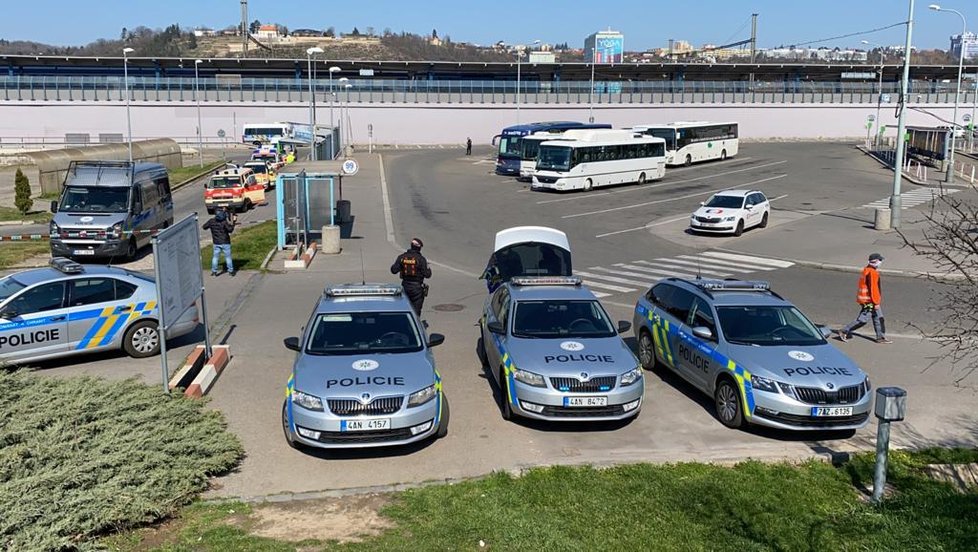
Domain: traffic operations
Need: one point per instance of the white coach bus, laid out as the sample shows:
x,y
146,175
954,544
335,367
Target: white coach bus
x,y
599,158
689,142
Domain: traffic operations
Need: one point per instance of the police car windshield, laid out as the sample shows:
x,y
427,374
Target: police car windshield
x,y
223,182
560,319
359,332
8,287
726,202
767,326
95,199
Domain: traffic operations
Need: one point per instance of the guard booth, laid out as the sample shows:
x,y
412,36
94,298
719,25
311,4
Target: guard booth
x,y
308,200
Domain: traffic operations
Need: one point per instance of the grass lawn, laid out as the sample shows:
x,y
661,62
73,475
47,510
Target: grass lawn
x,y
80,457
12,253
249,246
751,506
37,212
179,175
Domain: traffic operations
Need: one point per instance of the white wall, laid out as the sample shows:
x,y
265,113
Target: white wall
x,y
433,123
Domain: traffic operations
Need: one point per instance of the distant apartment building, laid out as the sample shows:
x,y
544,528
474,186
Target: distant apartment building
x,y
814,54
604,47
968,41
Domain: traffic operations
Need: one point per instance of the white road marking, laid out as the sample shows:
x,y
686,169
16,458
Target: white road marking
x,y
668,200
649,225
913,197
701,268
644,277
599,285
729,265
603,277
661,184
776,263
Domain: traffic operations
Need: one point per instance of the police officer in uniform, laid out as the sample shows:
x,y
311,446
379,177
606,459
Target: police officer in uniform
x,y
413,268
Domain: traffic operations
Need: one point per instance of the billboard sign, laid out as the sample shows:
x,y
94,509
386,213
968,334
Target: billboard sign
x,y
609,49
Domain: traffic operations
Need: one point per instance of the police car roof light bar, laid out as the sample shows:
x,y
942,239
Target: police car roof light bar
x,y
359,290
547,281
734,285
66,266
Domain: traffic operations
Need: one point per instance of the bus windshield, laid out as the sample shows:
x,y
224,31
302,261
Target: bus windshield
x,y
667,134
554,158
509,146
531,148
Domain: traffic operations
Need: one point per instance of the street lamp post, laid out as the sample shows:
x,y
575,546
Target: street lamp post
x,y
519,60
343,84
348,126
125,79
200,138
974,106
957,91
879,96
312,100
332,124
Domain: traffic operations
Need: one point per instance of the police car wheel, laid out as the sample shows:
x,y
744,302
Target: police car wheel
x,y
480,349
287,430
142,339
646,351
727,400
131,250
443,422
506,408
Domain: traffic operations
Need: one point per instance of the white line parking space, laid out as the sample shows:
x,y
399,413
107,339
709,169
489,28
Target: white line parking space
x,y
641,274
913,198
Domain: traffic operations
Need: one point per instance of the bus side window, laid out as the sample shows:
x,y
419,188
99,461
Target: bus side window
x,y
163,186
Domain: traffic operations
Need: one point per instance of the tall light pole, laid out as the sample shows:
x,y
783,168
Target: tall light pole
x,y
895,202
957,92
348,126
312,100
519,60
200,138
879,97
974,106
343,84
125,79
332,124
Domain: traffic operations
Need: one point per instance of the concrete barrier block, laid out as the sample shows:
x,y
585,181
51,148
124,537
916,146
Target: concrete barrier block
x,y
220,356
189,369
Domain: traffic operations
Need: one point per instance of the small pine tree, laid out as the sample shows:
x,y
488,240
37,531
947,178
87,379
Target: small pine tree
x,y
22,193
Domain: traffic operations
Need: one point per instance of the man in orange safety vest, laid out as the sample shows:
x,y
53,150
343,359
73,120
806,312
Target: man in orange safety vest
x,y
869,296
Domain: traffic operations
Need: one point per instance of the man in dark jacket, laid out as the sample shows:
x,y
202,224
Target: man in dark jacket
x,y
413,268
221,229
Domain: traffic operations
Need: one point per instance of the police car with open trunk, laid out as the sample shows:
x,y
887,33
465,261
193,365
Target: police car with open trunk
x,y
364,374
757,355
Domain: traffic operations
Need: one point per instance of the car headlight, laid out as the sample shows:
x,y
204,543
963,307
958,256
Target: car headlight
x,y
529,378
729,219
54,229
420,397
787,389
309,402
116,230
631,376
763,384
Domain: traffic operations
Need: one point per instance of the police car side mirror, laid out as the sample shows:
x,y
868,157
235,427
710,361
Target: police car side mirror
x,y
292,343
435,340
54,206
624,326
9,313
496,327
826,331
703,332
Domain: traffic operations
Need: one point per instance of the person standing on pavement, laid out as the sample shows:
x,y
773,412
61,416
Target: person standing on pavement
x,y
870,299
468,146
221,227
413,268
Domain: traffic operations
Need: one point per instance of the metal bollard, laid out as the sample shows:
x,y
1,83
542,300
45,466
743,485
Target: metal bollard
x,y
891,406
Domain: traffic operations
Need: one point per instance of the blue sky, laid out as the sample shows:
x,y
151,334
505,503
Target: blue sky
x,y
645,23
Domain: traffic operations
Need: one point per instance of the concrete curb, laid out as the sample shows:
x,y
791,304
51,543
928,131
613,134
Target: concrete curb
x,y
885,165
209,372
189,180
945,276
268,259
21,222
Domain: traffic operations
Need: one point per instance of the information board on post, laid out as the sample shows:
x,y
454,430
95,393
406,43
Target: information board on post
x,y
179,279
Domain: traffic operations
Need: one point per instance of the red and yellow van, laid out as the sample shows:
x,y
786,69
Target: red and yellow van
x,y
236,189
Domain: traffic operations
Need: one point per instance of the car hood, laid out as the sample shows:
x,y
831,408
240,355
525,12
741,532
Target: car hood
x,y
821,366
571,357
88,221
353,375
717,212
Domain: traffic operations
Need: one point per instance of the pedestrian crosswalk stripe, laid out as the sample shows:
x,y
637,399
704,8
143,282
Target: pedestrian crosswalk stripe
x,y
913,197
641,274
749,260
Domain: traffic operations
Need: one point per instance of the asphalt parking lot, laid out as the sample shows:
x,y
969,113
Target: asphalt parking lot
x,y
456,205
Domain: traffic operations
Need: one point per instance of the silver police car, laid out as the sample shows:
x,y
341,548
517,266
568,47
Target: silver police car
x,y
69,308
364,374
754,352
554,353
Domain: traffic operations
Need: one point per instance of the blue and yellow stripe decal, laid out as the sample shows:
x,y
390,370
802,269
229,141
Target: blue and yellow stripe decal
x,y
438,398
289,386
663,329
109,321
510,370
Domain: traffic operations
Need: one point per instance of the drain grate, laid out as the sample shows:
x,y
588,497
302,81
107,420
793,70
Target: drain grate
x,y
448,307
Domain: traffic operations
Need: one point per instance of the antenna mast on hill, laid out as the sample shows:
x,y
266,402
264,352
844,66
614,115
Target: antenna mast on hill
x,y
244,28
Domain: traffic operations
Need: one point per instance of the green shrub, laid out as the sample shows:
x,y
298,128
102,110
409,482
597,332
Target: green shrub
x,y
83,456
22,193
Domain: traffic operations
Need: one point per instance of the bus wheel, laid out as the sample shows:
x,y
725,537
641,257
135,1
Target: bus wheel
x,y
689,160
723,155
588,185
641,178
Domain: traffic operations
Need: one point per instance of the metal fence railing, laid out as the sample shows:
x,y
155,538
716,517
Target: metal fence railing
x,y
180,89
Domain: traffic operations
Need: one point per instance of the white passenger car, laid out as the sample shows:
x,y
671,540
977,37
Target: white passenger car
x,y
731,212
